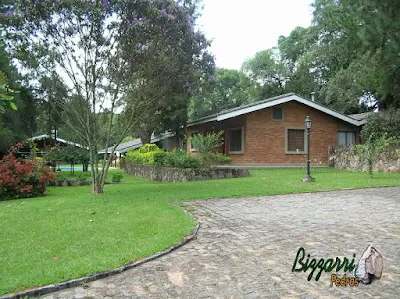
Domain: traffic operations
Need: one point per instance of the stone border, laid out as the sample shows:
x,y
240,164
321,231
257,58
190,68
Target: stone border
x,y
175,175
75,183
68,183
76,282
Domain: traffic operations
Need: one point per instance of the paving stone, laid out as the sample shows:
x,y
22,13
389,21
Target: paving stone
x,y
246,248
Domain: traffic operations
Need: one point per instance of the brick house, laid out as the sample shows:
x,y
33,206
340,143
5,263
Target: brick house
x,y
273,131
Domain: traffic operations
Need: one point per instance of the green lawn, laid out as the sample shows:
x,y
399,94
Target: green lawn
x,y
50,239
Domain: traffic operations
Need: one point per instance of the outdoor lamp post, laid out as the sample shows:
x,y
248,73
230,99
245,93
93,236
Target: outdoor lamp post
x,y
308,177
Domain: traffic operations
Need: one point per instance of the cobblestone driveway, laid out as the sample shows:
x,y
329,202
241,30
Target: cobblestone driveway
x,y
246,248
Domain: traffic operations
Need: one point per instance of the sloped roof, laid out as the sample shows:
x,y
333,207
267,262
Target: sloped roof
x,y
361,116
270,102
46,136
136,143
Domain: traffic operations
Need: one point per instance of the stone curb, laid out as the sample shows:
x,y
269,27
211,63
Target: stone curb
x,y
76,282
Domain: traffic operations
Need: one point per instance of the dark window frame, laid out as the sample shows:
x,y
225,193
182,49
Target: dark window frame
x,y
241,151
347,143
273,114
299,151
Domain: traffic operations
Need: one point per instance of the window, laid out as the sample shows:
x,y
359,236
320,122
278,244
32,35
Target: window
x,y
295,141
277,113
236,141
346,138
192,134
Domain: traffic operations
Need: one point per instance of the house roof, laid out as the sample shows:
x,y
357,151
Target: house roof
x,y
230,113
46,136
361,116
136,143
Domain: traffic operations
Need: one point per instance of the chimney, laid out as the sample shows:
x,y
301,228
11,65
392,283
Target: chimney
x,y
313,97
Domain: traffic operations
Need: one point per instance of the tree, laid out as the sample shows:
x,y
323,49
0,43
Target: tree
x,y
86,44
70,154
382,124
175,64
267,68
359,43
17,105
228,89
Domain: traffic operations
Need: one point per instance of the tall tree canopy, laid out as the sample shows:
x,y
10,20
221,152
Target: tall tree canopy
x,y
227,89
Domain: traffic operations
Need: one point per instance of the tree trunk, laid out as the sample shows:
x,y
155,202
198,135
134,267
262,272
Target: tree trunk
x,y
98,188
145,134
98,182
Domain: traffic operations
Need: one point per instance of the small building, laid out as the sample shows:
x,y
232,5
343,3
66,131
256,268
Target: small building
x,y
272,131
44,142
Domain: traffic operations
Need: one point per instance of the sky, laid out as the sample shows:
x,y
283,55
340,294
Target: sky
x,y
241,28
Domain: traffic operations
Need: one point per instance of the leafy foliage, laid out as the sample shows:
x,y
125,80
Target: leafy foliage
x,y
147,154
117,177
227,89
370,149
207,146
207,143
385,123
22,178
215,159
152,155
180,159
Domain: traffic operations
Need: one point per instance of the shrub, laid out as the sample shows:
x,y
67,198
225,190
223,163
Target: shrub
x,y
82,178
151,154
180,159
147,154
59,176
385,123
216,159
149,147
22,178
207,143
117,177
372,147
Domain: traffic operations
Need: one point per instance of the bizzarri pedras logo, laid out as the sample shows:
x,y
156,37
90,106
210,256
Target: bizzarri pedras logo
x,y
369,266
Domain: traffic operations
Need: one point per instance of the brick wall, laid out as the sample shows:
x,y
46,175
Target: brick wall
x,y
265,138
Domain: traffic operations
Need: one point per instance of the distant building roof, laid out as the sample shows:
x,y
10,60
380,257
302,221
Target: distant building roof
x,y
230,113
136,143
60,140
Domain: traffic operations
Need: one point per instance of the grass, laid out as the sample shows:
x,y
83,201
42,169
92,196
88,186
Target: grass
x,y
51,239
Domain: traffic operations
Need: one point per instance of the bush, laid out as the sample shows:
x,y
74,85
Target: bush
x,y
180,159
372,147
147,154
82,178
207,143
59,176
385,123
151,154
207,146
22,178
117,177
149,147
216,159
